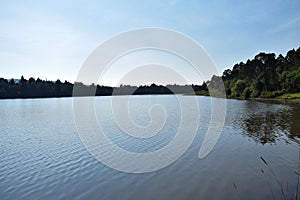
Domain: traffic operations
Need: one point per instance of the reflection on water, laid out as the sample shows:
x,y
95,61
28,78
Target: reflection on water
x,y
42,157
268,123
295,124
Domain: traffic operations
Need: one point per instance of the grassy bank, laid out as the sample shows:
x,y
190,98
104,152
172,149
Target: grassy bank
x,y
291,98
278,100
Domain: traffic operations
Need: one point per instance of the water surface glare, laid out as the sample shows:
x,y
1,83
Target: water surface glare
x,y
42,157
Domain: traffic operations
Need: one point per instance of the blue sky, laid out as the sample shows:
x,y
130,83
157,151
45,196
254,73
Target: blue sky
x,y
52,39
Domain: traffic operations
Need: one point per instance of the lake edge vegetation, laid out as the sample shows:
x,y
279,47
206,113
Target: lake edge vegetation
x,y
265,76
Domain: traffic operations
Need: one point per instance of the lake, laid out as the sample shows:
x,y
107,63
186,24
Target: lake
x,y
42,156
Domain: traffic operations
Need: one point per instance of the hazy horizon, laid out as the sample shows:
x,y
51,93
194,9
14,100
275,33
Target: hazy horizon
x,y
52,39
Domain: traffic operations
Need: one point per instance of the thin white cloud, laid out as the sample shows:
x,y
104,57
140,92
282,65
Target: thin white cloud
x,y
46,46
287,25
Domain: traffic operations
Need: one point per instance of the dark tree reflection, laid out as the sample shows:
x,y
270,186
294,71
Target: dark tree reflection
x,y
268,123
266,127
295,124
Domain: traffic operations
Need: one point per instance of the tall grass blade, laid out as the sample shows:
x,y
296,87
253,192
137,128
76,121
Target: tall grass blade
x,y
264,160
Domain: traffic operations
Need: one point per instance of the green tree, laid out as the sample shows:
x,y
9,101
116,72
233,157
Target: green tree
x,y
239,87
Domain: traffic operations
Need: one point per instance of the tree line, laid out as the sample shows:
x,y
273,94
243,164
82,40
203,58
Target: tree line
x,y
265,76
37,88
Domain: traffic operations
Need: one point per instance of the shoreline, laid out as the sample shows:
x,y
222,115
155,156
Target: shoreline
x,y
287,101
277,100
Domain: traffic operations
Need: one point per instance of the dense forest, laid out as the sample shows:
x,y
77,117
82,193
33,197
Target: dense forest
x,y
265,76
38,88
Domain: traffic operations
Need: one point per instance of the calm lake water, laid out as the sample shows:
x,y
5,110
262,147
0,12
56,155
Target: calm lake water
x,y
42,157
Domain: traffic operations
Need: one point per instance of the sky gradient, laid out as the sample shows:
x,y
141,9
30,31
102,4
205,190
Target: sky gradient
x,y
52,39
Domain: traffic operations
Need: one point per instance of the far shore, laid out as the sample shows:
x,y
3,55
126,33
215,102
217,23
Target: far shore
x,y
283,99
291,99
